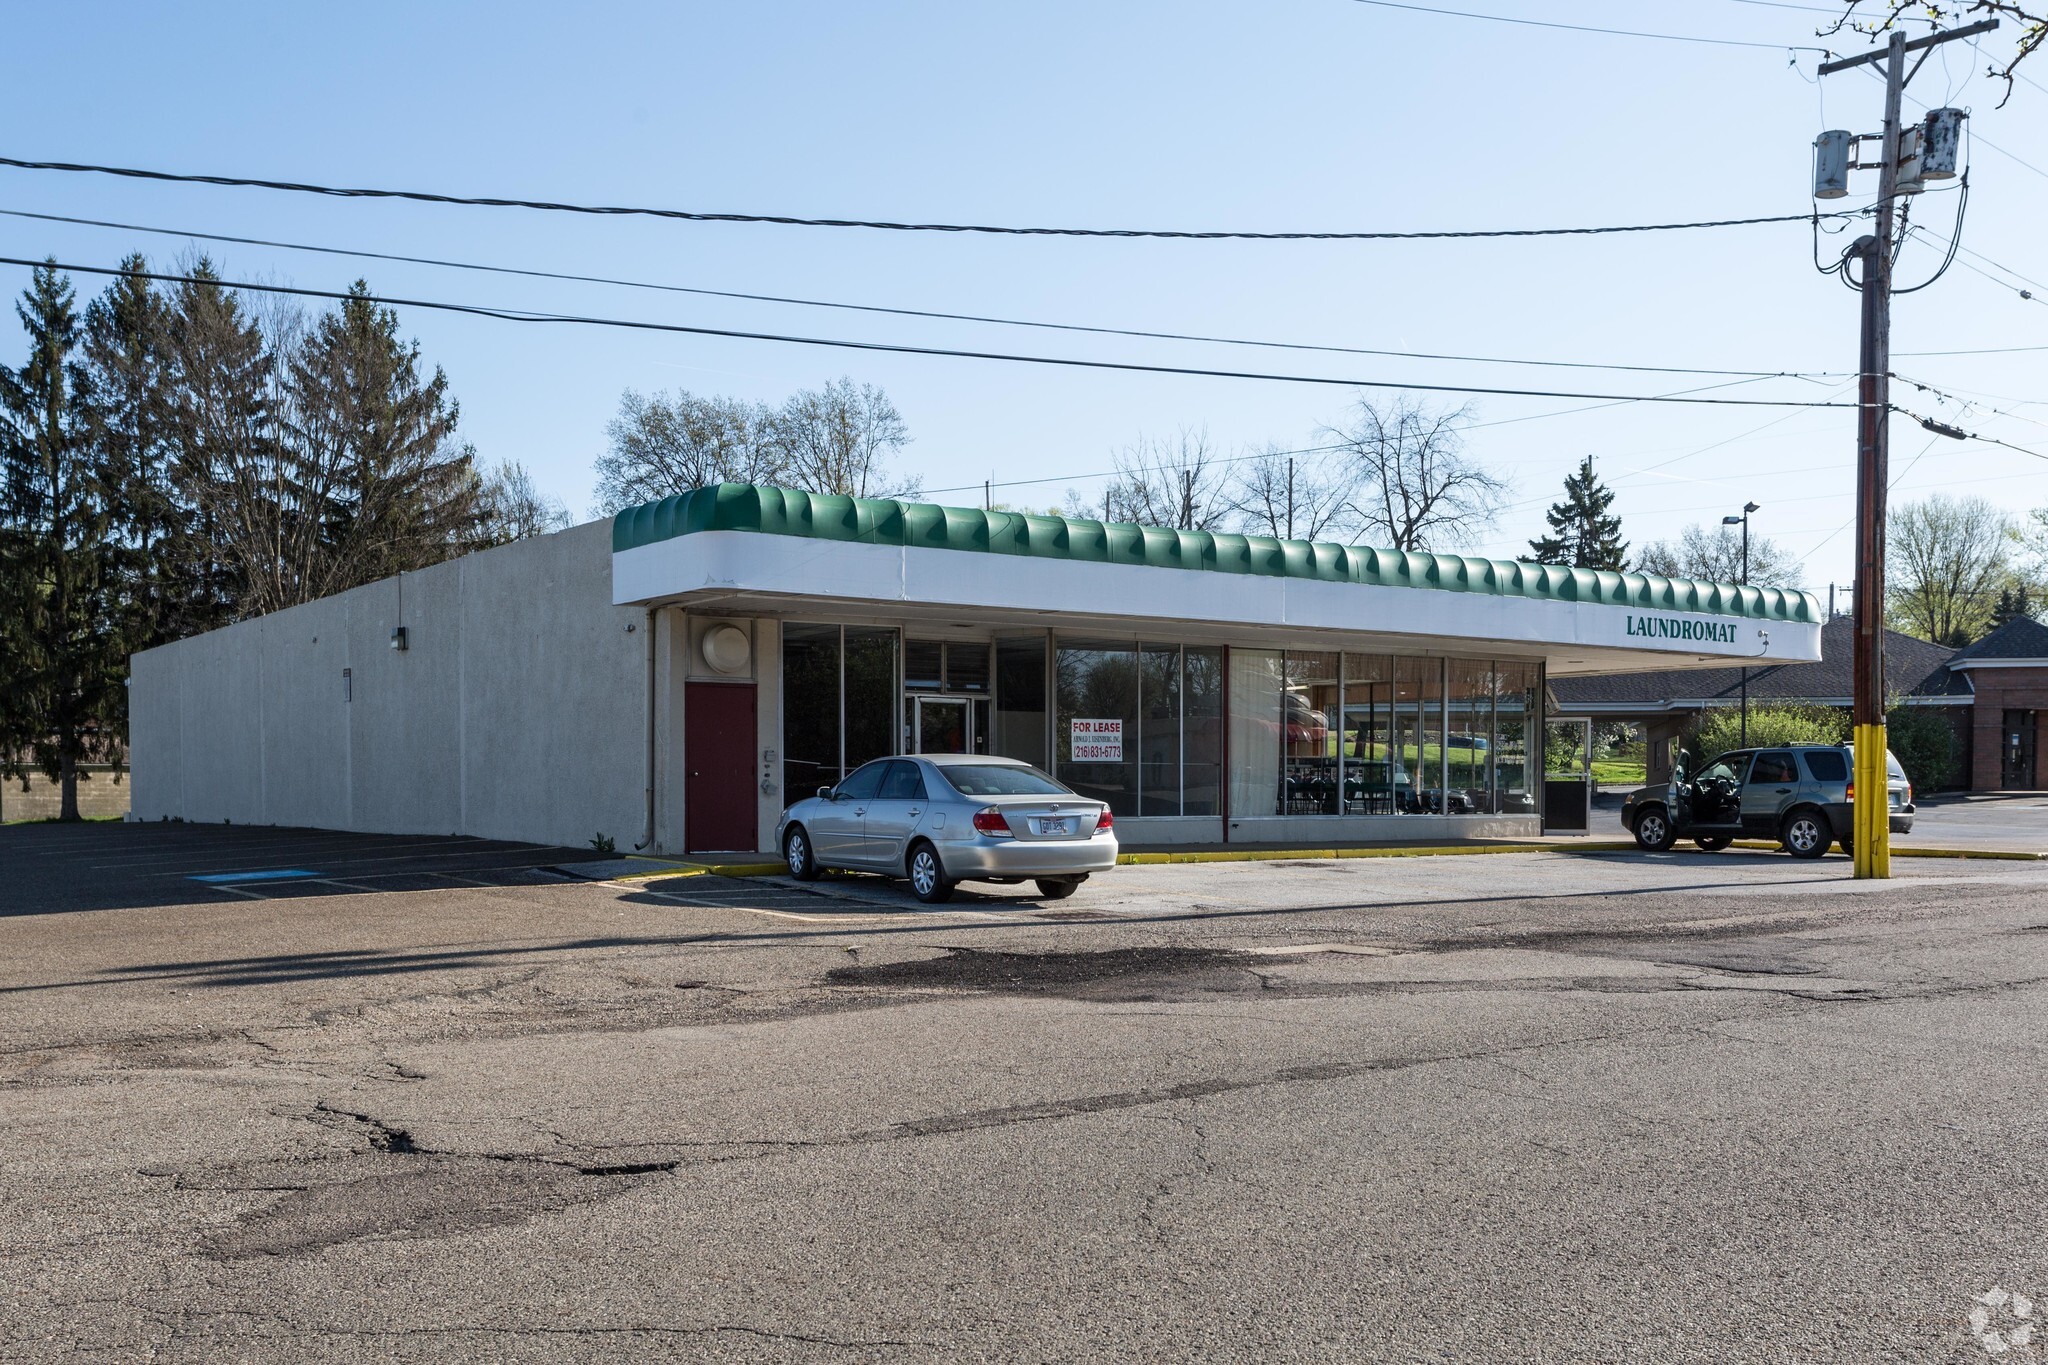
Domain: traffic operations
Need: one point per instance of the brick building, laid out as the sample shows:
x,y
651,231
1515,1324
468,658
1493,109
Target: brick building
x,y
2006,674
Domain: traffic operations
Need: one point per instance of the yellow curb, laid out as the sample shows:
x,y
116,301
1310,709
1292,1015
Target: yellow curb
x,y
683,869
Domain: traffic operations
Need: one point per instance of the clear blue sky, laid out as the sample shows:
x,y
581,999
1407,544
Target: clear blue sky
x,y
1298,115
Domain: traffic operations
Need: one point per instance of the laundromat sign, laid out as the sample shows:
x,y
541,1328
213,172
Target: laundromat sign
x,y
1681,628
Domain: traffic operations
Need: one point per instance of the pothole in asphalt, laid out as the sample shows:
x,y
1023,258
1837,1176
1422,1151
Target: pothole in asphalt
x,y
1122,974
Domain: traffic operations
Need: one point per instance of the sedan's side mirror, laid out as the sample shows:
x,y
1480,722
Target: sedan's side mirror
x,y
825,794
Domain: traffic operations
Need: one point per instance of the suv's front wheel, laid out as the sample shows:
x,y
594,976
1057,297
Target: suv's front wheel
x,y
1806,834
1654,831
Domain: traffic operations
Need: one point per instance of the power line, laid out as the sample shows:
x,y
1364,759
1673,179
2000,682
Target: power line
x,y
522,315
898,312
1315,450
695,216
1588,28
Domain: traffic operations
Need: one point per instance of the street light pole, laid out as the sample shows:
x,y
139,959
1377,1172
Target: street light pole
x,y
1743,522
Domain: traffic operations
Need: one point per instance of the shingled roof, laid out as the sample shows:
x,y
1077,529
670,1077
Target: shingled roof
x,y
1913,668
2020,638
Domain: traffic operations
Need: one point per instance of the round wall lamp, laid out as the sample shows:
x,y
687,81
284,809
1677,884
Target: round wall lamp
x,y
726,649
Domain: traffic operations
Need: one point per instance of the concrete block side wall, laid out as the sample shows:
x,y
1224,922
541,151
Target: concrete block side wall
x,y
514,712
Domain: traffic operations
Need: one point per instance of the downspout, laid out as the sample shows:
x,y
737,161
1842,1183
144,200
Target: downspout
x,y
648,836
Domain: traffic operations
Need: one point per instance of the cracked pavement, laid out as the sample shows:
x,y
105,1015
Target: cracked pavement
x,y
445,1103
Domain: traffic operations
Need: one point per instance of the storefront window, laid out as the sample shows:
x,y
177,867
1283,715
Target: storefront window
x,y
1098,696
1366,737
1308,745
1419,735
1201,730
1020,700
967,667
1158,738
1257,677
871,695
810,710
1515,704
924,665
1468,744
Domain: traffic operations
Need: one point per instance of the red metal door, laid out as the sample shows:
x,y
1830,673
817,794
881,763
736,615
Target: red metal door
x,y
718,759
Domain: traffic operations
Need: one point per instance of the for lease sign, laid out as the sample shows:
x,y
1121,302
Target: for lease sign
x,y
1096,741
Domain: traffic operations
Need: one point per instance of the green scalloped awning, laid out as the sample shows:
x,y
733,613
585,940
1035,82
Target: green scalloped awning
x,y
920,525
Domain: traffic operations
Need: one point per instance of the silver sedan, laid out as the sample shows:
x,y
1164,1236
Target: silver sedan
x,y
939,819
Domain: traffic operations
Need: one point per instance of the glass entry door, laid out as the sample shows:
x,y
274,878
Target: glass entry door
x,y
941,725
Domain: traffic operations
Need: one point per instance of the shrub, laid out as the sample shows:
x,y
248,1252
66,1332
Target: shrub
x,y
1925,745
1721,729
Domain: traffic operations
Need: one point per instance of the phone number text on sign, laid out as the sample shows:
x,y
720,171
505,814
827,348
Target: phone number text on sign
x,y
1096,741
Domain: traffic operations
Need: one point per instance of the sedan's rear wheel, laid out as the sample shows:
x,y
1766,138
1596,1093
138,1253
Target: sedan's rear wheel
x,y
928,879
1056,888
796,853
1804,834
1654,831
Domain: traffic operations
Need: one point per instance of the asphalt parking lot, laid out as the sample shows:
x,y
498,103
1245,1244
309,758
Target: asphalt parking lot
x,y
443,1100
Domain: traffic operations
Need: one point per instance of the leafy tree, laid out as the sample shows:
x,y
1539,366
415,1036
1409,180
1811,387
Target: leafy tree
x,y
1946,558
1717,556
1415,488
1582,534
1925,744
62,659
1780,723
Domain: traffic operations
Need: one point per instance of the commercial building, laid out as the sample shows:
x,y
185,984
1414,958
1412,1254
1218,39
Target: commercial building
x,y
673,679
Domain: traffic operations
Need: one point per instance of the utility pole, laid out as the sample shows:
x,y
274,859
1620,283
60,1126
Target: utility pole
x,y
1870,826
1743,522
1290,497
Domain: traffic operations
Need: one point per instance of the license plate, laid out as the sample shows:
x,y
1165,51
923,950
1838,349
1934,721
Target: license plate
x,y
1059,826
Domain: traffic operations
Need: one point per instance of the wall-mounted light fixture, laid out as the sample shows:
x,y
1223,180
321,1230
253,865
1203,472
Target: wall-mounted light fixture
x,y
398,637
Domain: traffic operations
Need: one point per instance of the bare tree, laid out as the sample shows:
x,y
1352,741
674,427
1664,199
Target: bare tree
x,y
514,508
1872,17
1305,497
837,440
672,443
1717,556
1947,558
1416,489
1174,481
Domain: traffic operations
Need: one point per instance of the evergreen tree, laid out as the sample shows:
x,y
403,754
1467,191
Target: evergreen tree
x,y
377,439
126,418
2014,601
221,413
62,660
1582,534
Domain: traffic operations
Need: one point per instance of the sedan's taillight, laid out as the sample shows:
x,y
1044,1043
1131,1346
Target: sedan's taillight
x,y
989,820
1104,821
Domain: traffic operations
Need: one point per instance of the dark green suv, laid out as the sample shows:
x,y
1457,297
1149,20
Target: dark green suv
x,y
1799,795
